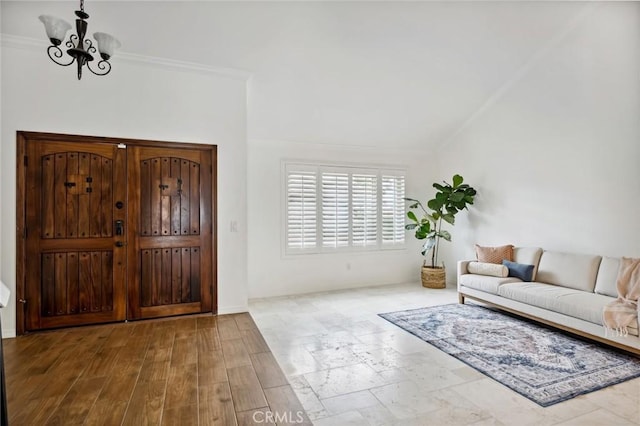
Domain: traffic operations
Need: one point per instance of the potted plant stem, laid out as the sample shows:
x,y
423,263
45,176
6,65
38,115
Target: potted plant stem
x,y
449,200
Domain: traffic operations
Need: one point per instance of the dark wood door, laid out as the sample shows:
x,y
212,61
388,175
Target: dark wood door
x,y
170,231
113,229
74,272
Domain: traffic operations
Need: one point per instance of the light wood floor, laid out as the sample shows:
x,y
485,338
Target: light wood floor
x,y
203,370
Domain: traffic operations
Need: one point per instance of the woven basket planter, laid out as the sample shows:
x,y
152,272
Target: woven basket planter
x,y
434,277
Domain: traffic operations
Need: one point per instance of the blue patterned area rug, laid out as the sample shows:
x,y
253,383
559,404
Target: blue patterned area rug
x,y
543,364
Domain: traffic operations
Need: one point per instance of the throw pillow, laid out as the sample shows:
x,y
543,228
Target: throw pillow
x,y
494,254
519,270
490,269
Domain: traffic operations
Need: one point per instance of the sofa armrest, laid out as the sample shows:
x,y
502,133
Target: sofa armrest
x,y
462,269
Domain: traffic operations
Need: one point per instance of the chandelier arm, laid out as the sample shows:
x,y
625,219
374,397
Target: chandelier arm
x,y
102,67
73,40
55,53
89,46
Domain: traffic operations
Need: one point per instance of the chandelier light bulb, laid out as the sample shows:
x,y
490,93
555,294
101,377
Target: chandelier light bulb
x,y
56,28
106,44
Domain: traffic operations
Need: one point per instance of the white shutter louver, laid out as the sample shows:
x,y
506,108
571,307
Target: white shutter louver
x,y
335,210
301,210
393,209
364,194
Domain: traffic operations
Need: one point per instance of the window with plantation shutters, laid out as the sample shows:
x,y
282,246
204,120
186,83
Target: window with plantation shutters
x,y
333,208
364,190
301,210
393,209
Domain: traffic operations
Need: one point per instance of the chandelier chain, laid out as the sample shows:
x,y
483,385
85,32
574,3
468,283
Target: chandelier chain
x,y
82,5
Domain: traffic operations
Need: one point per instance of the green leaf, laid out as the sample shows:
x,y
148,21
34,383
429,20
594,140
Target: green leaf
x,y
412,216
438,187
435,216
445,235
442,197
456,197
423,230
449,218
410,226
435,204
457,180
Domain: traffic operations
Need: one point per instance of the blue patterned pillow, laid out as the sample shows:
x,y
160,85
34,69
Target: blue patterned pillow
x,y
519,270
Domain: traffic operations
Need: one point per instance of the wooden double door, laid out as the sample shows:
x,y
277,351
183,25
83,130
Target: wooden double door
x,y
113,229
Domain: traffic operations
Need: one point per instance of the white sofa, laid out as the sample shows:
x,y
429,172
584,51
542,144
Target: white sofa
x,y
567,291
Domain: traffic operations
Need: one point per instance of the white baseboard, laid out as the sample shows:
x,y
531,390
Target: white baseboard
x,y
233,310
8,333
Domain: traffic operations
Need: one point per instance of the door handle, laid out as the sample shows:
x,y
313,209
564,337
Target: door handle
x,y
119,244
119,225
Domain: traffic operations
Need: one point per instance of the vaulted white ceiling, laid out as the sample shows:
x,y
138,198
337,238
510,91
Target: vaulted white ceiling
x,y
387,74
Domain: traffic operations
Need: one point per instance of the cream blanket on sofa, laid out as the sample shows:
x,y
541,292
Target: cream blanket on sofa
x,y
621,313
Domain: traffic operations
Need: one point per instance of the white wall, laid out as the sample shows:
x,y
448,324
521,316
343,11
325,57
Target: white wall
x,y
141,100
556,157
273,274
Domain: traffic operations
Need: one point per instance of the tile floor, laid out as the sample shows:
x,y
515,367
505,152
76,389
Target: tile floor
x,y
350,367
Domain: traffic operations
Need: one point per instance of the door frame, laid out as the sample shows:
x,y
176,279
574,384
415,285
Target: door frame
x,y
24,137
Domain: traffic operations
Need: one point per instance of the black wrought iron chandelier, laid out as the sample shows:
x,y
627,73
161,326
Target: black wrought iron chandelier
x,y
80,50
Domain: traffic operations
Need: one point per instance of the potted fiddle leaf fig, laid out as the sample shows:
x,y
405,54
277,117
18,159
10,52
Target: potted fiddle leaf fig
x,y
449,200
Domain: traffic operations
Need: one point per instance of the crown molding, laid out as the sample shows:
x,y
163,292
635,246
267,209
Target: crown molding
x,y
338,146
28,43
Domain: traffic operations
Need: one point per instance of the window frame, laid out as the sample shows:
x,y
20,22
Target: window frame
x,y
288,166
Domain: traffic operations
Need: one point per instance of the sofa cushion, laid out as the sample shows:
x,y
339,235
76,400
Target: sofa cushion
x,y
484,283
608,276
519,270
528,256
577,271
494,254
490,269
567,301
